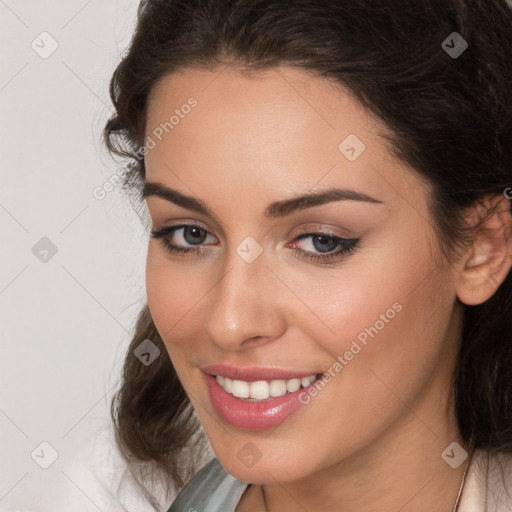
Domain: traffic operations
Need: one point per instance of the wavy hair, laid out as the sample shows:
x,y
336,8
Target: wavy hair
x,y
450,119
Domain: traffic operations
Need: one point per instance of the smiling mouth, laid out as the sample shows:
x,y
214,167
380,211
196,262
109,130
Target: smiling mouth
x,y
257,397
263,389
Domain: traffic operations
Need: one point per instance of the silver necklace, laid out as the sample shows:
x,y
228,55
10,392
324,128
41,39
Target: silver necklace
x,y
455,508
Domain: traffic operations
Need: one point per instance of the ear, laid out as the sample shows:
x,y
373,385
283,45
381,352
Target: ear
x,y
487,261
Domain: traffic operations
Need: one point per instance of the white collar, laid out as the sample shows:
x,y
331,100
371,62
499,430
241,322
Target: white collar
x,y
488,484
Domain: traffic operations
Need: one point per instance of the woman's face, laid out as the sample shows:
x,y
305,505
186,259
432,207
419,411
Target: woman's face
x,y
373,312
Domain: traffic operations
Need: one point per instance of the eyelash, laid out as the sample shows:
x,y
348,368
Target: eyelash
x,y
349,245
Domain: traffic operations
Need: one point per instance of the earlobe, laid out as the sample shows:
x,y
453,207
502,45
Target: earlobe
x,y
488,260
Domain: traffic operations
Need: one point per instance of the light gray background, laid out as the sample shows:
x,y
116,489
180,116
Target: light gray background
x,y
64,323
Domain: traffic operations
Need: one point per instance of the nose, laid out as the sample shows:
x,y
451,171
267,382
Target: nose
x,y
244,306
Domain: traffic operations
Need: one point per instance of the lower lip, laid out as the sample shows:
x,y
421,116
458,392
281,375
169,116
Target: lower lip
x,y
252,415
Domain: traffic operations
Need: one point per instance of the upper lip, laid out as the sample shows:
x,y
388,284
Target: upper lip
x,y
254,373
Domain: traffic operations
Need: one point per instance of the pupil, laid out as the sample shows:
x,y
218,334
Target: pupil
x,y
194,234
324,245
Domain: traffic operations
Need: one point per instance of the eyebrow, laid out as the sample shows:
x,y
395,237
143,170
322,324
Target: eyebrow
x,y
274,210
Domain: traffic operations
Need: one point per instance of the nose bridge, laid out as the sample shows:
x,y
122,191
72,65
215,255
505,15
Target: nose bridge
x,y
241,305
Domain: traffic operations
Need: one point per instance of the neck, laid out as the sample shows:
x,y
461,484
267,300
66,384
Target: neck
x,y
410,477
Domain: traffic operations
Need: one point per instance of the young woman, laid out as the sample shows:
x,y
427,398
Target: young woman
x,y
329,283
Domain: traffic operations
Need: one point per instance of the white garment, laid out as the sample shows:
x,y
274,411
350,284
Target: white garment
x,y
486,490
102,474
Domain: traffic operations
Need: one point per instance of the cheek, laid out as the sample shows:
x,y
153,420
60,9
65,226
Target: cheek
x,y
387,309
387,361
390,329
174,295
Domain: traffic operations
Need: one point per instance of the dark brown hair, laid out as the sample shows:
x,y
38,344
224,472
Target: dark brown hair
x,y
450,120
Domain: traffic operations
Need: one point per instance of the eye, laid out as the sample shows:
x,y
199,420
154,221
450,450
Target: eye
x,y
325,247
322,246
176,238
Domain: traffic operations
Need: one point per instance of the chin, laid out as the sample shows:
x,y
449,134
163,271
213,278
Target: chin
x,y
262,472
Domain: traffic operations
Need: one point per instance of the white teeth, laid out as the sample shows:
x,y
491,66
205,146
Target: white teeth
x,y
277,388
306,381
293,385
262,389
240,389
259,390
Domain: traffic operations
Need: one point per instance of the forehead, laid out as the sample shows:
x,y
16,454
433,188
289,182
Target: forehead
x,y
270,99
280,129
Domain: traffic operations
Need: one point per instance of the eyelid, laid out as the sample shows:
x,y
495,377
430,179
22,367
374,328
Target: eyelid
x,y
173,228
185,223
169,219
327,230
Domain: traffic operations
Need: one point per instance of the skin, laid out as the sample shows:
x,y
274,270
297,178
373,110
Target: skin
x,y
372,438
